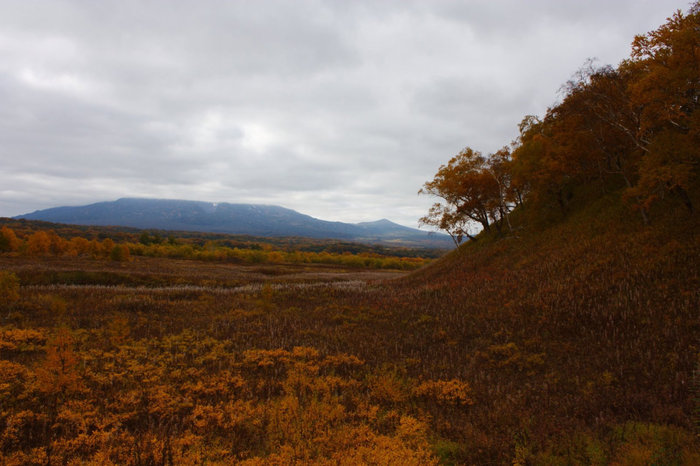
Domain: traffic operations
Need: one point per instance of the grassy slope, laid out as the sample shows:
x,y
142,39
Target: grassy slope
x,y
579,326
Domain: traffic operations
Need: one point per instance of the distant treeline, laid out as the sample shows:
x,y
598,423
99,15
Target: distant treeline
x,y
35,239
280,243
633,128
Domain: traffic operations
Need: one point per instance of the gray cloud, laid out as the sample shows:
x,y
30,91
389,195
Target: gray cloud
x,y
338,109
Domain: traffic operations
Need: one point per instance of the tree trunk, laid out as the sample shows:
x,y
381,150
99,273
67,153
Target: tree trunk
x,y
642,209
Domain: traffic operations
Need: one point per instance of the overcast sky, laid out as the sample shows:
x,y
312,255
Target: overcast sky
x,y
337,109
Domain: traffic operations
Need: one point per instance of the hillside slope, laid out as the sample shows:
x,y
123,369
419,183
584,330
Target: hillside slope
x,y
570,334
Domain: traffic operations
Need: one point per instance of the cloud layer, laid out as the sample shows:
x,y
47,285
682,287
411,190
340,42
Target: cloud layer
x,y
338,109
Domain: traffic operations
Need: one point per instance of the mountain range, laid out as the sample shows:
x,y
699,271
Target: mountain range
x,y
243,219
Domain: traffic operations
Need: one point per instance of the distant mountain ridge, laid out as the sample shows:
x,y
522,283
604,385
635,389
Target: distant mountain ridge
x,y
244,219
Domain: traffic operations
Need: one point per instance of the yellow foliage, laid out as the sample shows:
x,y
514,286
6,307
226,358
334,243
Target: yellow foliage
x,y
58,373
12,376
411,430
8,240
388,388
451,392
79,246
39,244
118,330
16,339
106,247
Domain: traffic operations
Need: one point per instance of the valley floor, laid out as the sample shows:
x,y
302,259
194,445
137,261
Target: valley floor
x,y
160,361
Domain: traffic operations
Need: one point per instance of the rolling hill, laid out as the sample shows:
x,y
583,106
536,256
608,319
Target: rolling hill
x,y
242,219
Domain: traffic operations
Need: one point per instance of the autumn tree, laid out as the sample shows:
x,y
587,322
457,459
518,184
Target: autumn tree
x,y
668,91
106,247
58,245
543,168
79,245
499,167
474,189
594,132
613,122
8,240
39,244
446,218
525,154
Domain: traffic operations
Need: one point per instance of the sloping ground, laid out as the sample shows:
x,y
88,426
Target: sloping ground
x,y
568,334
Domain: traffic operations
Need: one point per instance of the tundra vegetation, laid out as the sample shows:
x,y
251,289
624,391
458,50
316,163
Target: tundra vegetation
x,y
566,333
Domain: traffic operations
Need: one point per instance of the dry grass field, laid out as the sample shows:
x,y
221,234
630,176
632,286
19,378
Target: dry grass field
x,y
536,349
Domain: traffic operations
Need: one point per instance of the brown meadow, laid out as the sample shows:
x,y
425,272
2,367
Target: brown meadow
x,y
546,349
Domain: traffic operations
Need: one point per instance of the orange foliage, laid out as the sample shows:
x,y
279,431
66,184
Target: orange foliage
x,y
8,240
39,243
58,373
633,129
450,392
